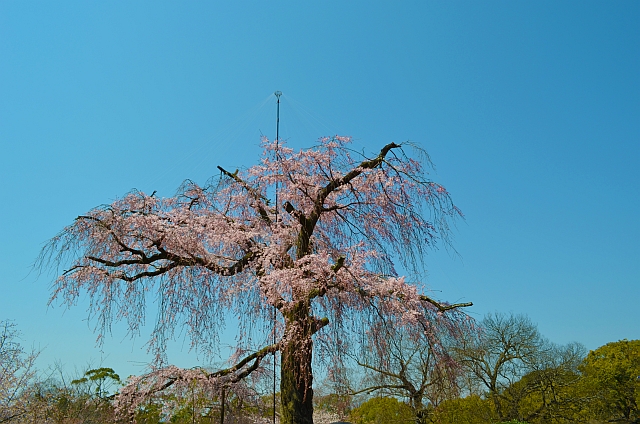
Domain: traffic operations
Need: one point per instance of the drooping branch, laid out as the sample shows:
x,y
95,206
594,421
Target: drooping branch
x,y
256,357
139,389
236,267
144,274
308,223
123,246
254,193
441,307
346,179
379,370
372,389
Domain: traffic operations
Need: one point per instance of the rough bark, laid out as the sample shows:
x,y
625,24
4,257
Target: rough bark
x,y
296,376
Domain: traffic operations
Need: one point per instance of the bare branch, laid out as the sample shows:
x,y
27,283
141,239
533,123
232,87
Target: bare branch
x,y
256,195
442,307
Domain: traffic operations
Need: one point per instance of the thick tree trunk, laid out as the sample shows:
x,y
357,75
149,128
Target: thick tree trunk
x,y
419,409
422,416
497,402
295,376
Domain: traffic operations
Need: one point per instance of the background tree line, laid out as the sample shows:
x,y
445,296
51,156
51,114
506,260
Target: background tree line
x,y
506,371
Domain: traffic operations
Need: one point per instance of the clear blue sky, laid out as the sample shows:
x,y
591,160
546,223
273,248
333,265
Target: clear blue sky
x,y
530,111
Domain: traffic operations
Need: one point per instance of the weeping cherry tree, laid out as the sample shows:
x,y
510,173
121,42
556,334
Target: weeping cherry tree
x,y
324,258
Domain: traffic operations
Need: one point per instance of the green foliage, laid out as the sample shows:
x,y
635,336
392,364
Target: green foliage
x,y
101,379
470,410
151,413
563,386
611,374
382,410
184,415
333,403
54,402
98,375
547,395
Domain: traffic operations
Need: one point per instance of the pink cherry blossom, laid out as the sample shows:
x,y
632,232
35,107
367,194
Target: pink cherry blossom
x,y
325,258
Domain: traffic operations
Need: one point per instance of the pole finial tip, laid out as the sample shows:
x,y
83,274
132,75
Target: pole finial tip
x,y
278,94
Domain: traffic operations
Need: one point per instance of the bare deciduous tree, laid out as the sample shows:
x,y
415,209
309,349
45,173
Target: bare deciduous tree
x,y
17,372
395,364
511,360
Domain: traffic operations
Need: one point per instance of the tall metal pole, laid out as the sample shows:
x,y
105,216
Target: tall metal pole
x,y
277,94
